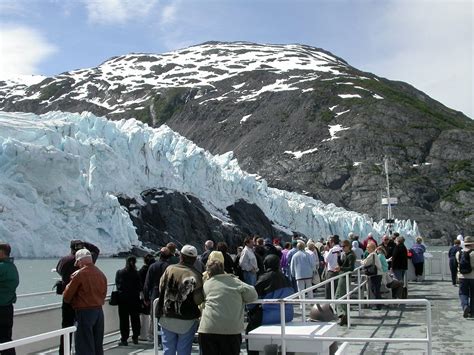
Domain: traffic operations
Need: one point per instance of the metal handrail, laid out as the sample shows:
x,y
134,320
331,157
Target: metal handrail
x,y
284,337
44,306
42,293
40,337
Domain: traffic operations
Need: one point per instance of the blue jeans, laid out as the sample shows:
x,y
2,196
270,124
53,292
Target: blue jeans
x,y
90,331
174,343
466,293
250,278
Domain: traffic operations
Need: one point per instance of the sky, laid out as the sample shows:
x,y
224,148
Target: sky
x,y
426,43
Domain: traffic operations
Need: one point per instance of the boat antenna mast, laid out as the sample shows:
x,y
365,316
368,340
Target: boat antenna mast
x,y
389,201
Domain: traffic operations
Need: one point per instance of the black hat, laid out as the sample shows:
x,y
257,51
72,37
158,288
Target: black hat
x,y
76,244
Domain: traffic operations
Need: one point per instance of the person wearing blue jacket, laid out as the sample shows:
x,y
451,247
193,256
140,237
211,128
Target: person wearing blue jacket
x,y
301,267
272,284
418,258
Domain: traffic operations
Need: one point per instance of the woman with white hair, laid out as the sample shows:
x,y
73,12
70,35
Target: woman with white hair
x,y
301,267
222,319
358,252
376,279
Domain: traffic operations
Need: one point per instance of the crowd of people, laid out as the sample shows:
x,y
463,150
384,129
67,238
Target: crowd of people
x,y
210,294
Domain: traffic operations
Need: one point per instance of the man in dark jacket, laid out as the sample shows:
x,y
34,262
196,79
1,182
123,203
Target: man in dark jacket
x,y
453,264
153,276
228,262
208,249
9,281
180,294
127,281
400,259
270,248
272,284
65,268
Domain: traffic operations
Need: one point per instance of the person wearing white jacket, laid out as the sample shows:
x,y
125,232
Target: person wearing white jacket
x,y
301,267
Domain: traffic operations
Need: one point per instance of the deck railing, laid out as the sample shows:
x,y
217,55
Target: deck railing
x,y
40,337
296,298
362,281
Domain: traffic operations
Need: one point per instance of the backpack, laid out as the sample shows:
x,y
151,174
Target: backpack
x,y
465,262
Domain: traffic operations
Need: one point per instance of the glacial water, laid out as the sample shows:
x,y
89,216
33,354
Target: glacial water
x,y
36,276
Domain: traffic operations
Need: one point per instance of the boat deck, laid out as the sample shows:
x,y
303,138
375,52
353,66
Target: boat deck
x,y
452,334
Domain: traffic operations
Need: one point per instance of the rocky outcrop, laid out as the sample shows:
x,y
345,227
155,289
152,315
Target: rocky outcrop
x,y
161,216
299,117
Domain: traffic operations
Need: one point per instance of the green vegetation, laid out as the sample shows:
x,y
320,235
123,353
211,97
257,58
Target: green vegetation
x,y
459,165
166,104
390,92
144,116
463,185
50,91
326,116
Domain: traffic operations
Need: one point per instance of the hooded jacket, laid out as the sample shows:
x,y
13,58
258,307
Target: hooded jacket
x,y
271,285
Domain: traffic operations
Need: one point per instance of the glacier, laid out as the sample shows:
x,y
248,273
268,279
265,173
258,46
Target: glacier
x,y
60,174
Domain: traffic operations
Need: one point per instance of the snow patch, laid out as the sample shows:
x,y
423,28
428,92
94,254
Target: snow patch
x,y
333,129
349,96
299,154
245,118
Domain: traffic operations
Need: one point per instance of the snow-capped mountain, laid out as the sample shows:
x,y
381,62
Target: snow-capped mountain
x,y
60,175
300,117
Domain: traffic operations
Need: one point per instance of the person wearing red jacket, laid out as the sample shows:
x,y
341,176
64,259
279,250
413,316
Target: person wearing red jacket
x,y
86,293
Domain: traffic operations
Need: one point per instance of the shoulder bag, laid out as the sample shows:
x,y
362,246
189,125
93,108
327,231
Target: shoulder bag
x,y
370,270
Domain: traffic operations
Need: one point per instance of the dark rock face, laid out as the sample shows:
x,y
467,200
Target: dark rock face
x,y
236,96
162,216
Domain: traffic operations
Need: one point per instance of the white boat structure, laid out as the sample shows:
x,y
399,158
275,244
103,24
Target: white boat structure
x,y
36,328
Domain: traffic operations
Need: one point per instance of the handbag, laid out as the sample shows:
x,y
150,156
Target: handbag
x,y
59,286
370,270
114,298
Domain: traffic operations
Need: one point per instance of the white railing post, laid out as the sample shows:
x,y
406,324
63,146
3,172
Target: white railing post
x,y
155,327
333,305
67,345
282,322
359,288
303,307
348,296
428,328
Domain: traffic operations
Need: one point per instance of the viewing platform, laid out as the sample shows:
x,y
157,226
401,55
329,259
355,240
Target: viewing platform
x,y
452,334
395,329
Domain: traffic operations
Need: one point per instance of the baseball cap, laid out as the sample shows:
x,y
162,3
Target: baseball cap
x,y
189,250
82,254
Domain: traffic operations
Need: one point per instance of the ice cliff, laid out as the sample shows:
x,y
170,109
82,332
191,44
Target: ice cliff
x,y
60,172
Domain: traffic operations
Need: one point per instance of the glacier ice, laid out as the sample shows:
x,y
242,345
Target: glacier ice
x,y
60,172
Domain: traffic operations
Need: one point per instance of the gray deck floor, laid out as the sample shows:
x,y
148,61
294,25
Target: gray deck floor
x,y
452,334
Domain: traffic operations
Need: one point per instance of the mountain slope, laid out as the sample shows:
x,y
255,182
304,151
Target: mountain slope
x,y
298,116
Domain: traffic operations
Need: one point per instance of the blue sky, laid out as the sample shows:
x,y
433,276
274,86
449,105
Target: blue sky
x,y
427,43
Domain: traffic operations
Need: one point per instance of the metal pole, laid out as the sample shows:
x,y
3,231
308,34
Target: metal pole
x,y
67,345
303,307
348,288
428,328
359,291
282,322
155,327
389,206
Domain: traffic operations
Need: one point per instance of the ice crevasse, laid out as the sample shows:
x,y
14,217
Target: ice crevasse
x,y
60,174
